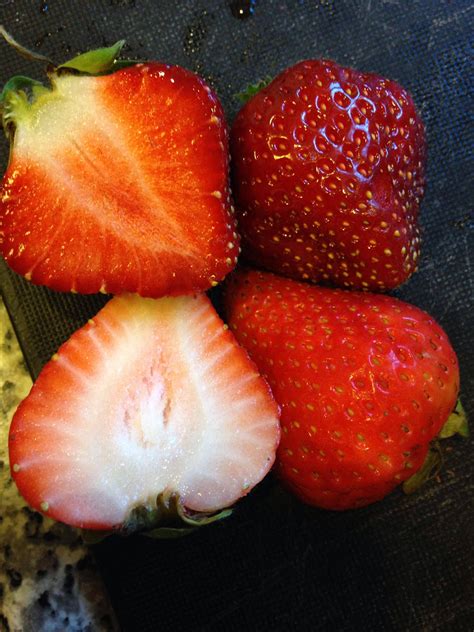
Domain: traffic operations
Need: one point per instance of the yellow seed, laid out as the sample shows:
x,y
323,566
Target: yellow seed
x,y
16,467
44,506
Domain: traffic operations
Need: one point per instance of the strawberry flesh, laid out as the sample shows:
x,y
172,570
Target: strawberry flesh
x,y
119,183
364,381
329,169
152,397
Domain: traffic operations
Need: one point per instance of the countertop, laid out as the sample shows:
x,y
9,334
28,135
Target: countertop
x,y
48,578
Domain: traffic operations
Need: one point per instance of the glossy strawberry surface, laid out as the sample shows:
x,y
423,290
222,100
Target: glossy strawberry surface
x,y
329,171
364,381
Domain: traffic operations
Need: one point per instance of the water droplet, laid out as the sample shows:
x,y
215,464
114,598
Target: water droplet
x,y
242,9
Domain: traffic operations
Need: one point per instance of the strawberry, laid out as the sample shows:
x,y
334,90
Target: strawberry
x,y
329,169
117,182
150,406
364,381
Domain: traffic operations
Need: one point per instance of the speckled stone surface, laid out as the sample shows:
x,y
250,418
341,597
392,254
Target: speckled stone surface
x,y
48,578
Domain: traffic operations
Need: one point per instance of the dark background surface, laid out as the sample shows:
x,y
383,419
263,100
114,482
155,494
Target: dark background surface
x,y
406,563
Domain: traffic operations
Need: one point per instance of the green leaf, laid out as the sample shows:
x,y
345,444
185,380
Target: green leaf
x,y
455,424
428,470
168,533
95,62
252,89
91,536
167,519
201,519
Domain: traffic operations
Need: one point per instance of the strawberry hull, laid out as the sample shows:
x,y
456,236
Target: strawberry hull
x,y
119,183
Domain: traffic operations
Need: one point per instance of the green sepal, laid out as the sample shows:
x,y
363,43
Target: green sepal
x,y
15,99
15,84
252,89
168,519
93,536
455,424
430,469
95,62
168,533
193,522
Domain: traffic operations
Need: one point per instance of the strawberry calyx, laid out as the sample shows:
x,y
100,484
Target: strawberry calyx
x,y
252,89
455,424
20,94
168,519
95,62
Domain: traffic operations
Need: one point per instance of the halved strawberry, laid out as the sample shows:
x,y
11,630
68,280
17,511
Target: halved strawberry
x,y
151,401
118,182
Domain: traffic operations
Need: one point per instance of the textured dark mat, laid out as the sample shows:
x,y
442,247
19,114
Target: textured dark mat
x,y
406,563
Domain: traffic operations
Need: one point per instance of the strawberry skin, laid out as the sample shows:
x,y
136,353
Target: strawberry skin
x,y
153,397
119,183
329,170
364,381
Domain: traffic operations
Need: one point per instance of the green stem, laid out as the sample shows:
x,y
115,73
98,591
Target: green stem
x,y
21,50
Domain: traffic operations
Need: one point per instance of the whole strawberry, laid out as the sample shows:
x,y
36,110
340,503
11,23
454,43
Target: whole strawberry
x,y
329,167
364,381
117,180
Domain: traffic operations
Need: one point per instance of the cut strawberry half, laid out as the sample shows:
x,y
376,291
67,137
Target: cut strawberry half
x,y
152,400
117,182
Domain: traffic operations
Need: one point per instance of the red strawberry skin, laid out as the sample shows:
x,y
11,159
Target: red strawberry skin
x,y
329,171
119,183
364,381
